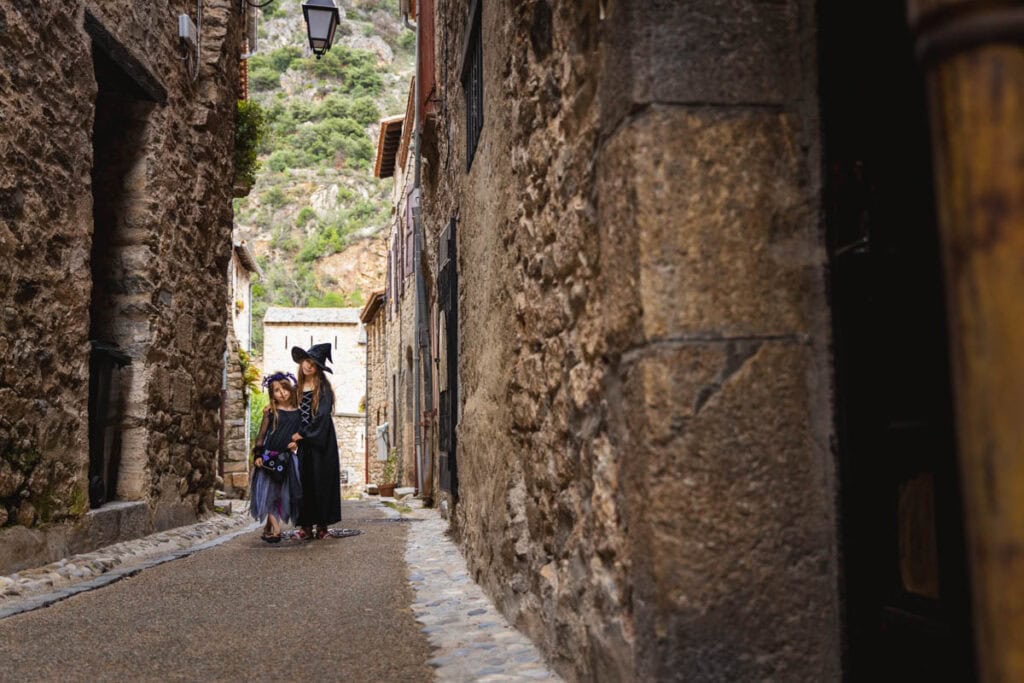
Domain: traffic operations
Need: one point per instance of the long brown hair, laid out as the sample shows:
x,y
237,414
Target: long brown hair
x,y
318,381
292,398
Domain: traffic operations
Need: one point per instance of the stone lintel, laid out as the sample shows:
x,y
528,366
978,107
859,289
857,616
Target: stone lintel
x,y
124,59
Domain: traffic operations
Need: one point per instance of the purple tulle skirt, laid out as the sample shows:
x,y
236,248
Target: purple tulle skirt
x,y
281,499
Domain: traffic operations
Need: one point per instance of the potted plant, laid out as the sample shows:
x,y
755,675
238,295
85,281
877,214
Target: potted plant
x,y
386,487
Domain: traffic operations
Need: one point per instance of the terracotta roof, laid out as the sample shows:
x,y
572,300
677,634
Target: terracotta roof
x,y
316,316
403,148
372,306
387,146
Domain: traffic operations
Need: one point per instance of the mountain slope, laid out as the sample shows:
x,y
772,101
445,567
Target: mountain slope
x,y
316,217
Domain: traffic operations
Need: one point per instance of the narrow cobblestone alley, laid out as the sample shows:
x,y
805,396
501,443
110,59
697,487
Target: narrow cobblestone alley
x,y
338,609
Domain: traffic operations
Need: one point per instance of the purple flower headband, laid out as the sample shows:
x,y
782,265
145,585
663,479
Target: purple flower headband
x,y
278,377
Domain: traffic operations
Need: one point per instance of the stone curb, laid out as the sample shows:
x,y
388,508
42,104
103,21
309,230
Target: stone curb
x,y
471,639
34,588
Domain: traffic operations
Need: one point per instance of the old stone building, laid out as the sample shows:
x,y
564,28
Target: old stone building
x,y
678,266
403,361
116,167
234,446
284,328
374,319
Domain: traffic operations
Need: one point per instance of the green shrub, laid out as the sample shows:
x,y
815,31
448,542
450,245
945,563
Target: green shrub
x,y
328,300
407,40
250,373
284,159
288,245
262,79
257,402
306,214
363,210
355,69
260,60
250,129
272,10
364,110
283,57
274,197
334,106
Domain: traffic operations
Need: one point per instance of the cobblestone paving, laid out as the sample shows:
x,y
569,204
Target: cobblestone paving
x,y
472,641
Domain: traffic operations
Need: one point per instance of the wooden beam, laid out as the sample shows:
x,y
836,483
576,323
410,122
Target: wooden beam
x,y
975,74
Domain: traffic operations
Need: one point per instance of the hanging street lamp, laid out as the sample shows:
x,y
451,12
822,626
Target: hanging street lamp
x,y
321,22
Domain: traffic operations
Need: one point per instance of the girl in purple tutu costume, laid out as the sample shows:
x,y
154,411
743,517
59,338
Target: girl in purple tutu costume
x,y
276,492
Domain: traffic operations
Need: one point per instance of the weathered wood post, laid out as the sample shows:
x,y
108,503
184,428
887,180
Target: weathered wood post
x,y
973,53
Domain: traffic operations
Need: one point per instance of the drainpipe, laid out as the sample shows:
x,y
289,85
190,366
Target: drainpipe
x,y
248,324
366,415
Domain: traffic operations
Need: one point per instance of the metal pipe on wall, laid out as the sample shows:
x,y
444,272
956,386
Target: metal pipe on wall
x,y
417,271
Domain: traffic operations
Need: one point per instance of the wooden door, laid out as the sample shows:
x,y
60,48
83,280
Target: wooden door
x,y
906,611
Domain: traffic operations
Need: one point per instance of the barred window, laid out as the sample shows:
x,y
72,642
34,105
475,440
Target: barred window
x,y
473,82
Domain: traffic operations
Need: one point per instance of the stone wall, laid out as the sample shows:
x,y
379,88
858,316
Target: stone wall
x,y
241,303
377,397
236,426
348,369
645,477
399,347
401,356
351,432
141,266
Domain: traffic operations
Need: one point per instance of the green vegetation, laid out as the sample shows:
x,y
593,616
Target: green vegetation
x,y
305,134
250,130
257,402
389,475
272,10
250,373
407,40
282,58
355,71
274,197
397,507
263,79
306,214
336,300
320,120
79,503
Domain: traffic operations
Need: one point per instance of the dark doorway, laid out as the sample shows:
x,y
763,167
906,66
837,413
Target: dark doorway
x,y
122,108
448,360
905,588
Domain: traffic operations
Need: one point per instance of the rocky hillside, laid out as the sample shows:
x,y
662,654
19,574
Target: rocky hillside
x,y
316,217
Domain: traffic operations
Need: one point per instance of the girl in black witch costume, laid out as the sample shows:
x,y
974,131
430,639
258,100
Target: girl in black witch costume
x,y
317,443
276,488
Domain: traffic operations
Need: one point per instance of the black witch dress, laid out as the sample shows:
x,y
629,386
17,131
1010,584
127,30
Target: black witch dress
x,y
276,486
318,461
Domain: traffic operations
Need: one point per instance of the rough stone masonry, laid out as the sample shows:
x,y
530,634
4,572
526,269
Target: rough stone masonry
x,y
115,218
644,472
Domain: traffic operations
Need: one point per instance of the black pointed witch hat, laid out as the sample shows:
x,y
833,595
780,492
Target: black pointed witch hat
x,y
320,354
